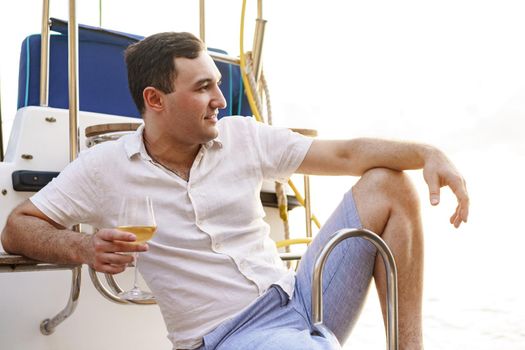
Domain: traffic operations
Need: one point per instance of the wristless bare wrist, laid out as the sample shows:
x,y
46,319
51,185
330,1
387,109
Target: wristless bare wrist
x,y
84,251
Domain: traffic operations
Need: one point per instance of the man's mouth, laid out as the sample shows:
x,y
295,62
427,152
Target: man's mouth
x,y
211,117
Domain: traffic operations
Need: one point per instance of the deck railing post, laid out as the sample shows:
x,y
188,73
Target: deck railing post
x,y
202,20
48,325
44,56
391,272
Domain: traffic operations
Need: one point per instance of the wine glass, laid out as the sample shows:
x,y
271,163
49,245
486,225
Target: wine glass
x,y
136,216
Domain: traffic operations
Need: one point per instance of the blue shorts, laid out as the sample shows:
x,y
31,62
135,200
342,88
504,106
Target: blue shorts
x,y
273,322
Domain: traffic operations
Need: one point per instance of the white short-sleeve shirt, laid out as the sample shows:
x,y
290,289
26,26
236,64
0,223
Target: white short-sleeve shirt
x,y
211,255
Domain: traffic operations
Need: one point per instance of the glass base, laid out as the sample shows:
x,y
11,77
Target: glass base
x,y
136,294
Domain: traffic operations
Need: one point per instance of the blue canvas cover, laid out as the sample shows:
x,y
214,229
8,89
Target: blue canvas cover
x,y
103,85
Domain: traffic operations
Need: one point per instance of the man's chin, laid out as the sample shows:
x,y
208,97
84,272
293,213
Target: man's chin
x,y
212,134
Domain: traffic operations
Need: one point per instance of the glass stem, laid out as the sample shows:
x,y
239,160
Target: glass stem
x,y
135,279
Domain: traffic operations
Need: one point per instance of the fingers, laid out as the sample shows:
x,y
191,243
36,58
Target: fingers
x,y
459,216
109,246
116,259
115,235
111,240
455,219
462,210
434,188
112,262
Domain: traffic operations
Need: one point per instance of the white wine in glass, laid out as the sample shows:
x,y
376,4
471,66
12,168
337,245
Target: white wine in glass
x,y
143,233
136,216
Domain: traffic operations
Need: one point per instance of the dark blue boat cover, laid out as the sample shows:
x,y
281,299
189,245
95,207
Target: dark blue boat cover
x,y
103,85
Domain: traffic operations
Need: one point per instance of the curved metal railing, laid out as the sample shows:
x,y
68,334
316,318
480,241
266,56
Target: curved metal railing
x,y
112,293
48,325
391,272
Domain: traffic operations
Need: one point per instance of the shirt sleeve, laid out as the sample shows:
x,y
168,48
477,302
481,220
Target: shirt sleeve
x,y
280,150
71,198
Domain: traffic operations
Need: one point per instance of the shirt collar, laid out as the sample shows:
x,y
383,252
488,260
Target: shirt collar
x,y
134,144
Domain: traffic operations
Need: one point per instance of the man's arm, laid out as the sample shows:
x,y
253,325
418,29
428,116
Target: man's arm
x,y
31,233
355,157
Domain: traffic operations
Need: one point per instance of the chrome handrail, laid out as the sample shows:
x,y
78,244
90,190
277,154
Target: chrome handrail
x,y
260,26
48,325
44,56
114,289
202,20
391,272
73,81
106,293
307,205
220,57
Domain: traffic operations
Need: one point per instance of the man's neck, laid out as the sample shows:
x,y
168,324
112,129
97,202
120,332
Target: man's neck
x,y
178,158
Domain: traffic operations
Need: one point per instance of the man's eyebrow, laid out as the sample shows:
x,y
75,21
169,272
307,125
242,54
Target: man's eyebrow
x,y
207,81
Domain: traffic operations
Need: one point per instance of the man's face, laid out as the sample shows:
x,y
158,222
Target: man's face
x,y
190,114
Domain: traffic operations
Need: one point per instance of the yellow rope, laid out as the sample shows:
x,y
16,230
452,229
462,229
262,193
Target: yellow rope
x,y
249,93
301,201
288,242
253,85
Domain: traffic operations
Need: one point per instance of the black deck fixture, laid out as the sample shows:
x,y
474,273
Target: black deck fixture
x,y
31,180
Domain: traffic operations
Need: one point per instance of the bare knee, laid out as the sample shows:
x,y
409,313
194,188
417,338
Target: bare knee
x,y
395,184
381,192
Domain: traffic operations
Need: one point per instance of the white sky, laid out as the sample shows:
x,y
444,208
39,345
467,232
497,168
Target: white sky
x,y
450,73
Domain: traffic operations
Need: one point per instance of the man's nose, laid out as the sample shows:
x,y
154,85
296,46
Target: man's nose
x,y
218,100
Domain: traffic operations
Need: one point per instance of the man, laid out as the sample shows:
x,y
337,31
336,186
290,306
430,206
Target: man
x,y
215,272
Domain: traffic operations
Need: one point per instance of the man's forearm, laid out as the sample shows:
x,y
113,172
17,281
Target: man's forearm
x,y
37,239
355,157
364,154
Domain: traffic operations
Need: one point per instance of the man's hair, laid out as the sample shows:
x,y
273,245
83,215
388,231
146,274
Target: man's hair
x,y
151,62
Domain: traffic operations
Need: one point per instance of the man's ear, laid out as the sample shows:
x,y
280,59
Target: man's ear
x,y
153,98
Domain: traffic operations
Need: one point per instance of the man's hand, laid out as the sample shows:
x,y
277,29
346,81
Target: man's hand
x,y
107,247
438,172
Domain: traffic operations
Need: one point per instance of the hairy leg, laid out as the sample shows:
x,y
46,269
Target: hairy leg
x,y
388,205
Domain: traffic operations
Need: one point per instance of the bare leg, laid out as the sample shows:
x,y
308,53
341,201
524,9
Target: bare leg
x,y
389,206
